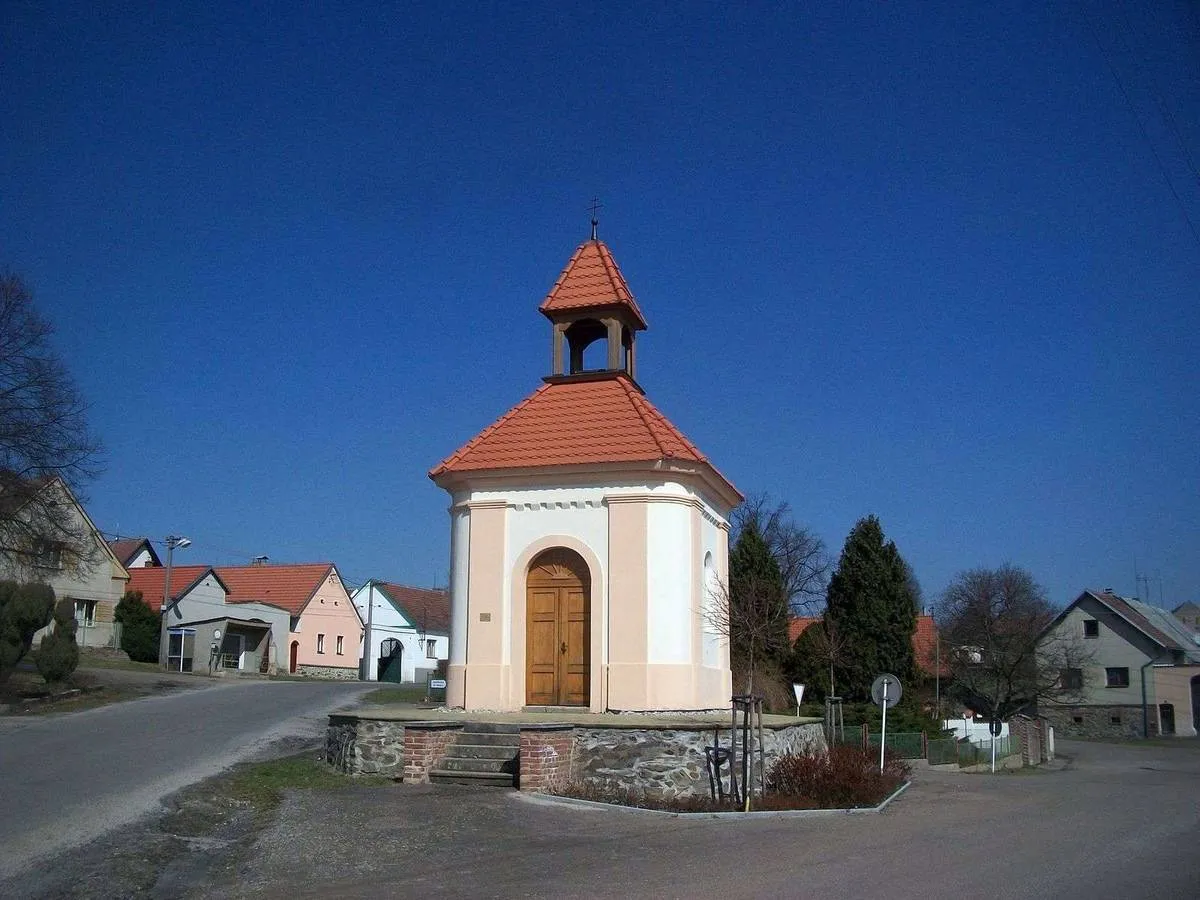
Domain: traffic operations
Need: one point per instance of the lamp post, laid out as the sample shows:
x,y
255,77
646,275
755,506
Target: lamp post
x,y
172,541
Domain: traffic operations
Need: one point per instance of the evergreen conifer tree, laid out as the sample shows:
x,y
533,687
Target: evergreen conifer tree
x,y
140,627
758,606
58,653
872,606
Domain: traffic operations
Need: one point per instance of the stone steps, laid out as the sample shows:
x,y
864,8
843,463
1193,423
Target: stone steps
x,y
484,753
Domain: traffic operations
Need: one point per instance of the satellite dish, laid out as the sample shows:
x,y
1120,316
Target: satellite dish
x,y
894,690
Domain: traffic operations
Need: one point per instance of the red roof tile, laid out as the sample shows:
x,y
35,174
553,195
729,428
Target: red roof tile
x,y
426,609
591,279
149,581
600,418
289,587
799,624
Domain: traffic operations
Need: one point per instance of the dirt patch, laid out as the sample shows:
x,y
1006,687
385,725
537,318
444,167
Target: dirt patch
x,y
202,837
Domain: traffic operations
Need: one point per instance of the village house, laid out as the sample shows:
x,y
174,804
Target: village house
x,y
588,535
1140,674
407,631
205,632
135,553
324,634
70,555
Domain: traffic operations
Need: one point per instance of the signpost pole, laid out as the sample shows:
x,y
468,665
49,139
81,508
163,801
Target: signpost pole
x,y
883,725
993,750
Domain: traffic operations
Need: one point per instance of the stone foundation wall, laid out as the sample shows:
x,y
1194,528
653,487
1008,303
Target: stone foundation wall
x,y
546,758
365,746
1097,721
670,762
424,747
334,673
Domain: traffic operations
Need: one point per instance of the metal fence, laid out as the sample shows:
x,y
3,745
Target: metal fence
x,y
941,751
905,744
980,754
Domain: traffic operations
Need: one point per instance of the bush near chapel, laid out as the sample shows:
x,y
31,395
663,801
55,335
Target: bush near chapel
x,y
140,627
58,653
843,778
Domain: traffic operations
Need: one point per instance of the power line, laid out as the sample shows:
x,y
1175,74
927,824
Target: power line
x,y
1142,127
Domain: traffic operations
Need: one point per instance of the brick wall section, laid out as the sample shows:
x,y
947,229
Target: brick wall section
x,y
1028,733
546,758
424,748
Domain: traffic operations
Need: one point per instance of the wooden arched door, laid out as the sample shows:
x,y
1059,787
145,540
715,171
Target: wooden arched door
x,y
557,630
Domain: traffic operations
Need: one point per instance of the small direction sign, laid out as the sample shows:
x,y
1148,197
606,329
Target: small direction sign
x,y
894,690
437,683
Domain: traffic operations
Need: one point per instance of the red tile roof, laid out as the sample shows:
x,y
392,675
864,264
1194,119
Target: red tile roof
x,y
289,587
594,419
799,624
428,610
924,641
149,581
591,279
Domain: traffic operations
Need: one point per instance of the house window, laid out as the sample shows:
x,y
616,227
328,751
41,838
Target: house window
x,y
1091,628
431,649
1078,720
1071,679
320,643
1114,720
339,646
1117,677
85,613
48,555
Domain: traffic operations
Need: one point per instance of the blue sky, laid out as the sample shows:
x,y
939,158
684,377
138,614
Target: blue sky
x,y
936,262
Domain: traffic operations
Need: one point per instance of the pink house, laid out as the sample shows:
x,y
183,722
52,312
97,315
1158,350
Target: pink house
x,y
325,635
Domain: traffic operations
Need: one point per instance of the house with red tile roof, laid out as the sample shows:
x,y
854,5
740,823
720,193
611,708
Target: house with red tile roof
x,y
407,630
207,633
1140,675
134,553
587,532
324,637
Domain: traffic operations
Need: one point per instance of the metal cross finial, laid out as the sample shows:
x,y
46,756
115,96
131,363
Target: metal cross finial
x,y
596,204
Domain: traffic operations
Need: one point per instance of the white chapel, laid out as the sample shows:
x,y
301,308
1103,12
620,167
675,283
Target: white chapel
x,y
589,537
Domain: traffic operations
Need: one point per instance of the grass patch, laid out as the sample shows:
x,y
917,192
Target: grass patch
x,y
87,661
400,693
262,784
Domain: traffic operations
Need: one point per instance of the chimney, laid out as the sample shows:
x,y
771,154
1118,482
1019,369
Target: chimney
x,y
259,560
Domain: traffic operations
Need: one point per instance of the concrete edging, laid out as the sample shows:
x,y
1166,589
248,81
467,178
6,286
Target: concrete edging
x,y
552,800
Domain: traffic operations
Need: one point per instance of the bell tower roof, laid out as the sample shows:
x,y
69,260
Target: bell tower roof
x,y
591,281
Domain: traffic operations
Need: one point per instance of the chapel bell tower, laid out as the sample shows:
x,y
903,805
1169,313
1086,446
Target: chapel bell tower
x,y
589,302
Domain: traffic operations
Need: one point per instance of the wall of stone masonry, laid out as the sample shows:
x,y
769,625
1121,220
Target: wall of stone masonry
x,y
1096,721
365,746
331,673
669,762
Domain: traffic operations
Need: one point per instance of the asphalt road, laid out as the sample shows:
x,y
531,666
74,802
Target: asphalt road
x,y
1120,823
65,779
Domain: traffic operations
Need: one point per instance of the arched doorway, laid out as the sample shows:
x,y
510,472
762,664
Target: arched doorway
x,y
389,667
557,630
1196,703
295,652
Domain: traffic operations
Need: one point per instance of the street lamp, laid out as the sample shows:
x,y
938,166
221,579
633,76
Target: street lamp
x,y
172,541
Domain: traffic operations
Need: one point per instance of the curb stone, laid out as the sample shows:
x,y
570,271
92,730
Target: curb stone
x,y
551,800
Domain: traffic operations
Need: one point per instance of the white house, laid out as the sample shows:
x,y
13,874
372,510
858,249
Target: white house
x,y
407,630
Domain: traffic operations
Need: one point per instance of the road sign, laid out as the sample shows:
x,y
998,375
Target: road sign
x,y
894,690
997,727
437,683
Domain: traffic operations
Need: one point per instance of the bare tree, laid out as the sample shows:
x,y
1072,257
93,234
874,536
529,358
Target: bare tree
x,y
46,449
992,623
750,616
799,553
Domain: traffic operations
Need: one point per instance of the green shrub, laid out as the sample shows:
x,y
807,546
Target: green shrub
x,y
24,610
140,627
58,654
